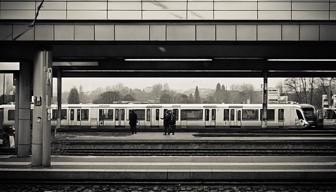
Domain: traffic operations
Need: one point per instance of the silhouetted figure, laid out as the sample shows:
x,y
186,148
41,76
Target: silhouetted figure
x,y
172,123
133,120
166,120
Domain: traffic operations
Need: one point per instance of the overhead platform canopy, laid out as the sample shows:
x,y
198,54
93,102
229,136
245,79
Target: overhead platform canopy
x,y
181,59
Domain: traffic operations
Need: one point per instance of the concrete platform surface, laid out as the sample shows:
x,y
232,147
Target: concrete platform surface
x,y
155,136
188,168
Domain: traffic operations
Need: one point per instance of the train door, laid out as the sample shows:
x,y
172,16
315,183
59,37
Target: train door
x,y
148,119
72,117
210,117
226,117
120,118
239,118
101,117
232,117
84,116
105,117
155,117
235,117
78,114
177,117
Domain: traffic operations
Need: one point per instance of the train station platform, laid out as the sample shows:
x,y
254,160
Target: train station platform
x,y
168,168
190,136
193,144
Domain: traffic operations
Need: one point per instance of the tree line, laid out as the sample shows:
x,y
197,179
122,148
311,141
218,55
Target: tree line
x,y
301,90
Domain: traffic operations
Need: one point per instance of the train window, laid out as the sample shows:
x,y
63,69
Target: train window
x,y
226,114
63,114
84,114
78,115
207,114
11,115
299,114
101,114
140,113
176,113
330,114
148,115
232,115
281,114
270,115
55,114
191,114
72,114
117,113
239,115
157,114
250,114
106,114
109,115
213,114
121,113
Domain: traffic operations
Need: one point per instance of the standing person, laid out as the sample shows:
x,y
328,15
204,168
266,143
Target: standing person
x,y
166,119
172,123
133,119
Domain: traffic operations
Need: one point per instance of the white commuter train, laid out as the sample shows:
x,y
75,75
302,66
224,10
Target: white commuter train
x,y
187,115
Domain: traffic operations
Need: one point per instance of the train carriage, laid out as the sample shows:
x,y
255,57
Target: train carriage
x,y
187,115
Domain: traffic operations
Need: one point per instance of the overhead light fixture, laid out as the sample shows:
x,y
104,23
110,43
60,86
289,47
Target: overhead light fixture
x,y
167,60
238,58
159,71
9,66
75,63
302,60
302,71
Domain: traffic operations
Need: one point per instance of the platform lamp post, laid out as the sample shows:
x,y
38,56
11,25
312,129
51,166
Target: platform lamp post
x,y
265,99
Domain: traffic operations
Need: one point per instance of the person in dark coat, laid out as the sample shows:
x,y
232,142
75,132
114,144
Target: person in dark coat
x,y
166,120
172,123
133,120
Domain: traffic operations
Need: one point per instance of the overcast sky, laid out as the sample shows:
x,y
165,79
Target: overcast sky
x,y
90,84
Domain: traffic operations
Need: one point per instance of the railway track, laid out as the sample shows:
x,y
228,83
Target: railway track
x,y
208,147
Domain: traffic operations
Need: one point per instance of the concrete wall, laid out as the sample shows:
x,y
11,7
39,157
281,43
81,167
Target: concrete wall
x,y
171,10
171,31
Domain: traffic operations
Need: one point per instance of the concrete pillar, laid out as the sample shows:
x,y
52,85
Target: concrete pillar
x,y
265,99
59,99
22,110
42,82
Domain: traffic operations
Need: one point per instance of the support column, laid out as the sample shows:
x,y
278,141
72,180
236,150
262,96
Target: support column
x,y
22,109
265,99
59,99
42,82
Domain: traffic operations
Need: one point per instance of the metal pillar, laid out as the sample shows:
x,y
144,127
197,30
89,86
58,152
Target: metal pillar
x,y
22,110
42,82
59,99
265,99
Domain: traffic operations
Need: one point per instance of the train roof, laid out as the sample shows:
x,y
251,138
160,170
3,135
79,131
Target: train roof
x,y
180,105
131,105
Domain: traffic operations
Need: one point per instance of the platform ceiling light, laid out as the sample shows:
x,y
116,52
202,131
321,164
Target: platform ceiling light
x,y
302,71
75,63
167,60
9,66
158,71
302,60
